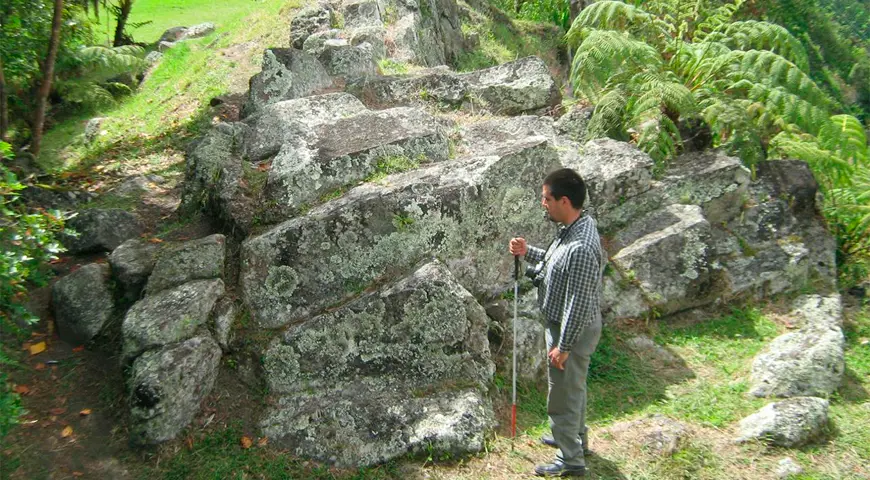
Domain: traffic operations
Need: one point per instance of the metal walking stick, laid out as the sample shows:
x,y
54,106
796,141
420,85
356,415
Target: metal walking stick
x,y
514,355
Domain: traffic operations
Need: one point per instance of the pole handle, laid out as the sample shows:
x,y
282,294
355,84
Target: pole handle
x,y
516,267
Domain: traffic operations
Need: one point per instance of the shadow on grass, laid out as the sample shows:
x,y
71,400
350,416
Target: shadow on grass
x,y
852,388
620,382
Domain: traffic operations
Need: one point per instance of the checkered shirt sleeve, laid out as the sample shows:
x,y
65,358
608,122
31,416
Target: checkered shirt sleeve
x,y
534,254
579,287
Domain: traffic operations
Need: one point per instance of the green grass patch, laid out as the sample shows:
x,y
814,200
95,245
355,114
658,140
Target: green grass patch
x,y
389,66
504,40
163,15
220,455
390,165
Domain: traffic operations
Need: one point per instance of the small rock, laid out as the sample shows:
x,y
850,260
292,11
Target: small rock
x,y
101,230
164,46
92,129
199,30
173,34
153,57
83,303
789,423
788,467
132,263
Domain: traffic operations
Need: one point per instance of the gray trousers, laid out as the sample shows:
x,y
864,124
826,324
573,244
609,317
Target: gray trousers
x,y
566,395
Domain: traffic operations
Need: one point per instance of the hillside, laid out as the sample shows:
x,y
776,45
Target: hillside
x,y
669,383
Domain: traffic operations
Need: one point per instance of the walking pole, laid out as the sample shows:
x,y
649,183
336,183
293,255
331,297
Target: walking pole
x,y
514,356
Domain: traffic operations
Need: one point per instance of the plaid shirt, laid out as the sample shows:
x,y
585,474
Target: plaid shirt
x,y
570,289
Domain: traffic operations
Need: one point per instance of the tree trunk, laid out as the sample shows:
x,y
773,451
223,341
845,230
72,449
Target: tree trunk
x,y
518,5
4,106
123,13
47,76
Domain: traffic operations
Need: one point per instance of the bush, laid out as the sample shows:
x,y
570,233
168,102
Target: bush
x,y
27,241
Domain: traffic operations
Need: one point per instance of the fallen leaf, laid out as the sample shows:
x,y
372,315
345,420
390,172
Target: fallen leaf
x,y
77,474
57,411
247,442
80,348
22,389
263,442
37,348
67,431
155,240
85,412
39,366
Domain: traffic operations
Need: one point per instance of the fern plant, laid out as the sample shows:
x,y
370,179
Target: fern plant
x,y
90,78
649,65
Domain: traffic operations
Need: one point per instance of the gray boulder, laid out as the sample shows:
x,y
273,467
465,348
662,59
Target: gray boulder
x,y
789,423
573,123
412,42
614,172
200,259
437,86
665,256
349,62
167,386
408,369
787,467
83,303
224,316
101,230
132,262
169,316
362,13
213,172
153,57
513,88
286,74
374,36
463,211
350,149
173,34
198,30
530,341
809,362
309,20
482,137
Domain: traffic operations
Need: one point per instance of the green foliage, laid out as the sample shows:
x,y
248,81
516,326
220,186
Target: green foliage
x,y
90,71
389,66
27,240
553,11
648,68
10,406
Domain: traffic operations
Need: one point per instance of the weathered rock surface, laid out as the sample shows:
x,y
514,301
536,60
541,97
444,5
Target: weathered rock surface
x,y
224,315
408,369
787,468
83,303
349,62
200,259
522,86
169,316
789,423
309,20
531,345
574,122
809,362
461,210
287,73
665,253
101,230
514,88
167,386
132,262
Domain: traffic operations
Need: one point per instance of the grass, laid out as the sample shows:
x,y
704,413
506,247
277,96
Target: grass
x,y
163,15
504,40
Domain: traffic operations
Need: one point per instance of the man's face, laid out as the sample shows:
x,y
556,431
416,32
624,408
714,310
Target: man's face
x,y
555,208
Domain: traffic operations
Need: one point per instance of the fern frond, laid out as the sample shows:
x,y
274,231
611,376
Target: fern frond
x,y
775,70
845,135
755,35
806,148
716,19
606,53
606,15
608,117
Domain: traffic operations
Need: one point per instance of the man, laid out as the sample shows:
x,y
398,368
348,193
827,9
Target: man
x,y
568,276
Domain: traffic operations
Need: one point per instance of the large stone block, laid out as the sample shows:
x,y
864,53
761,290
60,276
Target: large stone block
x,y
463,211
408,369
167,386
287,73
201,259
83,303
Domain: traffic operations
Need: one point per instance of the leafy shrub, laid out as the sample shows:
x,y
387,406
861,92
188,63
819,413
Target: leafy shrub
x,y
27,241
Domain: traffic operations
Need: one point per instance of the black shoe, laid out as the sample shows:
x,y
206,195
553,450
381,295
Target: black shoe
x,y
549,441
559,469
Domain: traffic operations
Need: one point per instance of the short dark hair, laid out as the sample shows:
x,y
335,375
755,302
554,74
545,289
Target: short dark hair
x,y
567,183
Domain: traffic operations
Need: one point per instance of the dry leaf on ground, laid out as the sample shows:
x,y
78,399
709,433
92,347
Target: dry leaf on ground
x,y
80,348
57,411
262,442
22,389
67,431
85,412
247,442
37,348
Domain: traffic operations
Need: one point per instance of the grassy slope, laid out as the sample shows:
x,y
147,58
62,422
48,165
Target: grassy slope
x,y
172,104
